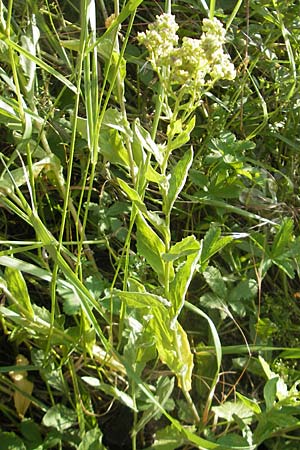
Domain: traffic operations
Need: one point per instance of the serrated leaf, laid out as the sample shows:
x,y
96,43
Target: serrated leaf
x,y
214,279
212,301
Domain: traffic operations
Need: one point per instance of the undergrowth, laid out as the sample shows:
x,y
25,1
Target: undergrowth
x,y
149,262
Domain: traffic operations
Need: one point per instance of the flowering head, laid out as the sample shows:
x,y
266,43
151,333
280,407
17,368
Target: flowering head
x,y
160,40
194,65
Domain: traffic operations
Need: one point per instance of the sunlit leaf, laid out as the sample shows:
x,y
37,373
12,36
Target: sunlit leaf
x,y
151,247
18,288
178,178
60,417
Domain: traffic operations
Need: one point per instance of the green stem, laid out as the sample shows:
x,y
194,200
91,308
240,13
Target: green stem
x,y
212,9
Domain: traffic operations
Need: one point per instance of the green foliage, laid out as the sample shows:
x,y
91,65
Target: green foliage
x,y
149,224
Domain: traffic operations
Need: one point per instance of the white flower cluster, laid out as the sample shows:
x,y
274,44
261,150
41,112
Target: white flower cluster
x,y
160,40
196,64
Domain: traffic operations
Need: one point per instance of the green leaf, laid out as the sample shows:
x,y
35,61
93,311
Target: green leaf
x,y
60,417
111,390
214,279
39,62
228,409
32,433
270,390
92,440
112,147
29,43
17,286
173,348
164,389
185,247
178,178
212,244
283,238
234,442
10,441
142,299
249,403
138,153
168,438
151,247
183,137
184,274
148,144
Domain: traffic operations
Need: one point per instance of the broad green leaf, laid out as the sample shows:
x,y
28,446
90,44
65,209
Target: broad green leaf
x,y
270,390
184,274
32,434
173,348
212,244
184,135
251,404
168,438
283,238
111,390
133,195
185,247
142,299
178,178
18,288
10,441
60,417
185,370
112,147
164,389
147,143
214,279
151,247
235,442
92,440
228,409
286,265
